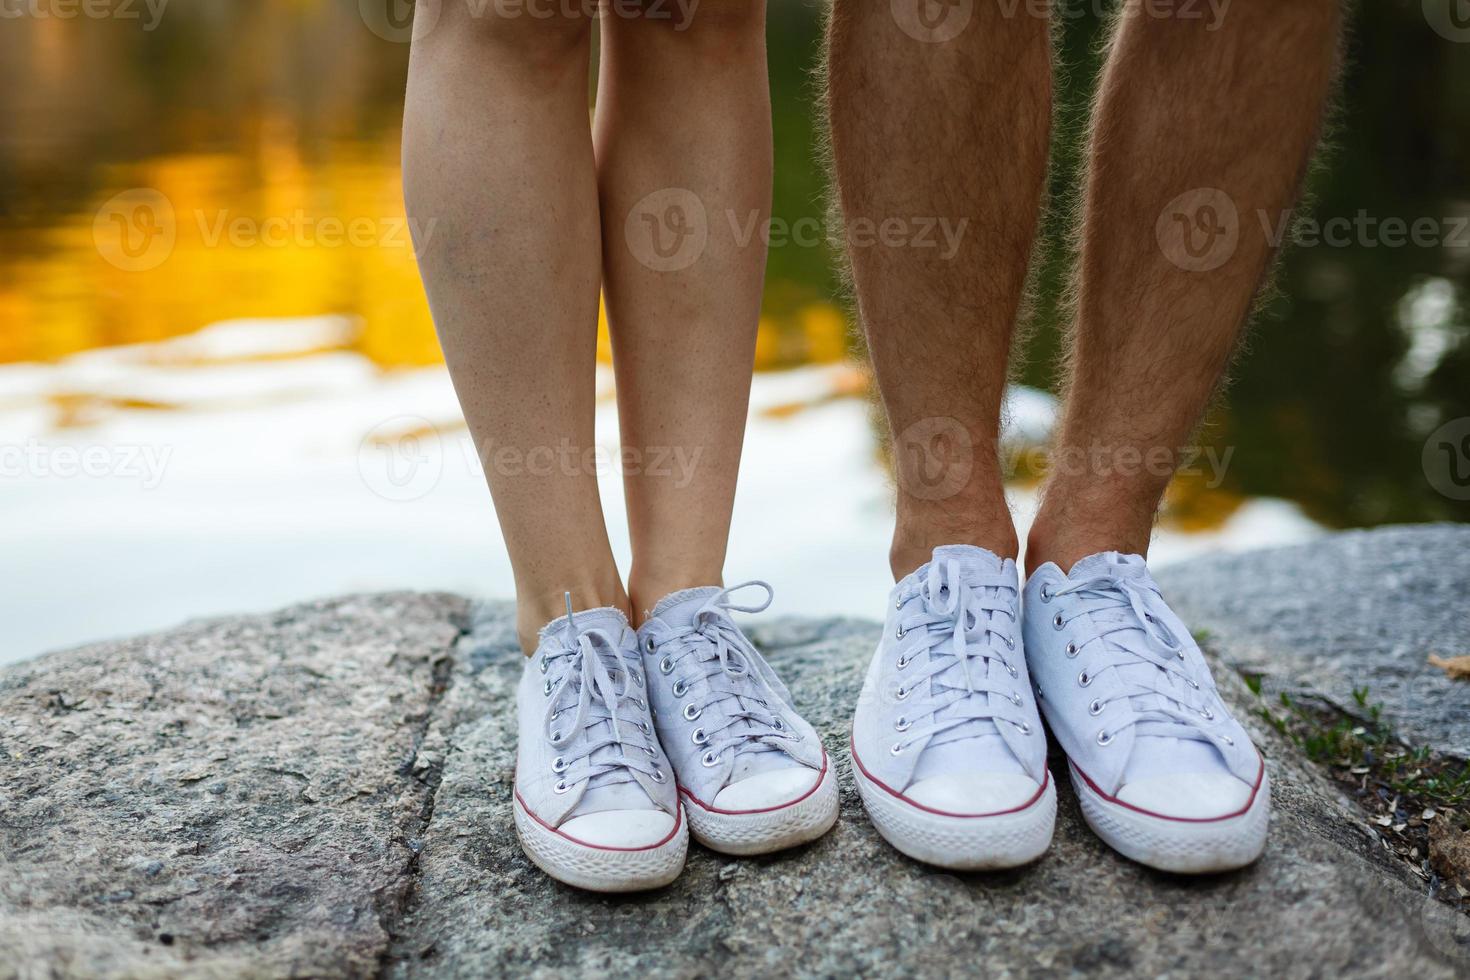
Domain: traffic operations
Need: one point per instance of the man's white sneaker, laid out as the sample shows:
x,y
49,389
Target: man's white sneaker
x,y
1165,774
947,747
595,802
753,774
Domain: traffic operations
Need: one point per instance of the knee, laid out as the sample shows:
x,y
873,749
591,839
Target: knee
x,y
538,34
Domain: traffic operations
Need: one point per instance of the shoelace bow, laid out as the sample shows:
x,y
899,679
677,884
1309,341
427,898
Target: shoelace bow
x,y
733,671
592,659
964,614
1162,707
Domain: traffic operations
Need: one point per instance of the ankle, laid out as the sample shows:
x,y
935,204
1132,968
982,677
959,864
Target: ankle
x,y
1066,541
537,607
646,589
914,540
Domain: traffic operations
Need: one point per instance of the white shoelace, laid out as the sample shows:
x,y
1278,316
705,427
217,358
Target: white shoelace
x,y
975,616
1133,637
734,672
600,679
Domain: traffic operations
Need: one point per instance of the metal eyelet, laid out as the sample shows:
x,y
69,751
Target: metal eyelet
x,y
1010,643
636,675
902,663
639,703
559,765
898,633
902,724
1024,728
544,665
1193,684
546,688
1016,700
1209,715
1181,653
1228,739
1071,649
897,748
1057,621
709,760
902,693
560,787
666,666
778,724
1039,692
1096,707
1046,594
898,603
643,727
648,644
691,712
556,736
652,752
1103,738
1084,679
680,688
657,775
1012,671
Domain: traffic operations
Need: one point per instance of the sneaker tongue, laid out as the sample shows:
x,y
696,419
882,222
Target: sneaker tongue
x,y
957,749
677,610
1107,563
617,789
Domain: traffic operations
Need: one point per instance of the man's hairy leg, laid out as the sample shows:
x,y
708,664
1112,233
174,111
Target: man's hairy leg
x,y
1201,127
940,150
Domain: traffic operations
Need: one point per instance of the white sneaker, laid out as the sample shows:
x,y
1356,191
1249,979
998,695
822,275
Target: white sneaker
x,y
753,774
1165,774
947,747
595,804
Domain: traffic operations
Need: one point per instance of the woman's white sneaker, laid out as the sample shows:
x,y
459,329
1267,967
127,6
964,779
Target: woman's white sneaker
x,y
1164,773
753,775
595,801
947,747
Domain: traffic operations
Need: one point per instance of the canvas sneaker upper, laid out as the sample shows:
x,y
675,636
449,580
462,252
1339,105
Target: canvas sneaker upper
x,y
1128,694
728,723
947,718
588,762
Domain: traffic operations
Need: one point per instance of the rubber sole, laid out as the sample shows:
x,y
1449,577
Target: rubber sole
x,y
602,869
1179,846
750,832
985,842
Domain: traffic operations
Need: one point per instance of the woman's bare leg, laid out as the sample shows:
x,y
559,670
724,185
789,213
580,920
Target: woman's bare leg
x,y
683,134
497,154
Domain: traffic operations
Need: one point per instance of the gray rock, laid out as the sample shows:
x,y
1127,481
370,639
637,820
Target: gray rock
x,y
1361,609
366,749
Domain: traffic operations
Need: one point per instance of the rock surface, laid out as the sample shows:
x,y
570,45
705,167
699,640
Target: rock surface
x,y
326,791
1361,609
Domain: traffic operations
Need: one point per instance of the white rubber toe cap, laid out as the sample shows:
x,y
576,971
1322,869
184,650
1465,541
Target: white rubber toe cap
x,y
974,793
767,789
620,828
1188,796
